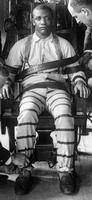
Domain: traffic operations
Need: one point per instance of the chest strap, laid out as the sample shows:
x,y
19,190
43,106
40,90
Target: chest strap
x,y
52,65
45,66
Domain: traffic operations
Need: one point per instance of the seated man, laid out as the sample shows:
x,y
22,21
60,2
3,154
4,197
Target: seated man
x,y
46,91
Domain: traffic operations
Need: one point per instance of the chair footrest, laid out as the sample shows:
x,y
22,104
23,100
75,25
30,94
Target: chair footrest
x,y
45,153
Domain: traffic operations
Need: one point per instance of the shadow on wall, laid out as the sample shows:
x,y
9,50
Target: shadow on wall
x,y
4,13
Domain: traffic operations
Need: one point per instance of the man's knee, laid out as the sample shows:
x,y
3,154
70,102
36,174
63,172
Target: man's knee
x,y
28,116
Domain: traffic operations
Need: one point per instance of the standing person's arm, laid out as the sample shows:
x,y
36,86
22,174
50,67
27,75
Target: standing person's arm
x,y
86,58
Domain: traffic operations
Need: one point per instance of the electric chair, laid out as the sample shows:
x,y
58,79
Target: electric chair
x,y
44,150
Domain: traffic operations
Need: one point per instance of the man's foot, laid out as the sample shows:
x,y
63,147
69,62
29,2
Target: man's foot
x,y
67,182
21,160
23,182
10,169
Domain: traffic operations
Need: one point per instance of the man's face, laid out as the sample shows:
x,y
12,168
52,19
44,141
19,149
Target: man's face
x,y
42,20
83,16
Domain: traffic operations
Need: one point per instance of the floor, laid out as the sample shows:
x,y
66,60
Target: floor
x,y
46,183
45,180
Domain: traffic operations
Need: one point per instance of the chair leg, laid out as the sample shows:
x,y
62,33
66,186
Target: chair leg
x,y
75,147
3,129
78,133
11,138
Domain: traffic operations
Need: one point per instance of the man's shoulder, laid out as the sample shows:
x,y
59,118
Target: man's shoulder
x,y
64,43
22,42
62,39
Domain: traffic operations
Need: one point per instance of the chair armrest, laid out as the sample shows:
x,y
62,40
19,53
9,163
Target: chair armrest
x,y
80,114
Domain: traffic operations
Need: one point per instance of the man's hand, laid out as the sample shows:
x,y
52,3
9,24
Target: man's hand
x,y
7,91
81,89
86,60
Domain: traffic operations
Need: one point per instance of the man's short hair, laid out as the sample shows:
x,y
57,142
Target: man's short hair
x,y
44,7
77,3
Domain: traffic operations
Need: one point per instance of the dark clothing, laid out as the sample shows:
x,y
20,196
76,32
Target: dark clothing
x,y
88,39
4,155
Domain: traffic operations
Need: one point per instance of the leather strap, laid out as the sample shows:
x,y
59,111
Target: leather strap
x,y
11,69
70,70
54,84
57,46
50,65
45,66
